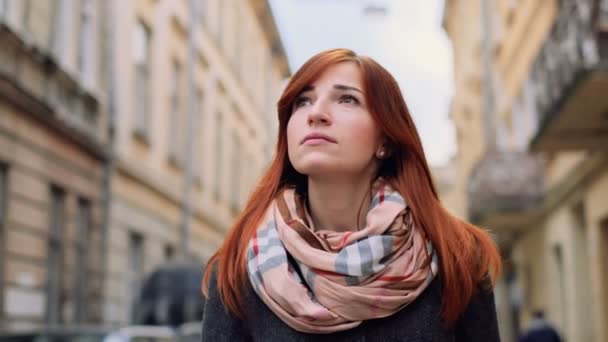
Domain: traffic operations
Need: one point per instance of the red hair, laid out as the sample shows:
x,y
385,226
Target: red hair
x,y
467,253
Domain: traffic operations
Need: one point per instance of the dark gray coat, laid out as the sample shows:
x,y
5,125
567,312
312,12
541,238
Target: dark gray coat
x,y
420,321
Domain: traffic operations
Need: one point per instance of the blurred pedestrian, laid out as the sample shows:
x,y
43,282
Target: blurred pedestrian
x,y
540,330
345,237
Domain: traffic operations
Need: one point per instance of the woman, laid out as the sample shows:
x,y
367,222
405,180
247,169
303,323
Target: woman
x,y
345,239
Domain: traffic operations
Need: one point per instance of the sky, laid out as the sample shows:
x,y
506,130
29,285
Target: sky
x,y
408,41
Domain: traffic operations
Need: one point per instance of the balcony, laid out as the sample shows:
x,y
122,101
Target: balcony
x,y
506,190
34,82
570,78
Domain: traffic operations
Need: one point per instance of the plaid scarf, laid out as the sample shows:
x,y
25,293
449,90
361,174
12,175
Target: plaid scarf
x,y
320,281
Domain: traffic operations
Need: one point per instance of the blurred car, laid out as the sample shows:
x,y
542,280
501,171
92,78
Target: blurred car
x,y
189,332
142,334
56,334
171,295
92,334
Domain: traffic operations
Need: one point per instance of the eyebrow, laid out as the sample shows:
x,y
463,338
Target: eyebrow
x,y
336,86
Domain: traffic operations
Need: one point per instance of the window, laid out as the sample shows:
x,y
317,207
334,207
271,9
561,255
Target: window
x,y
136,268
218,156
198,129
220,21
518,123
603,266
86,43
202,11
459,136
141,61
249,176
3,195
54,307
82,246
246,43
510,17
236,173
175,115
62,30
38,32
237,41
513,4
529,103
198,107
502,134
581,268
169,252
561,281
269,93
3,206
3,8
603,16
245,63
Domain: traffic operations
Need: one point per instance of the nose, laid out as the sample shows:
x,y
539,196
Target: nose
x,y
319,114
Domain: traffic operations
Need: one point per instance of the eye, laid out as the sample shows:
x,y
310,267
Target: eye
x,y
301,101
349,99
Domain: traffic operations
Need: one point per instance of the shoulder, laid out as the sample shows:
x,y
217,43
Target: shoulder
x,y
219,324
479,321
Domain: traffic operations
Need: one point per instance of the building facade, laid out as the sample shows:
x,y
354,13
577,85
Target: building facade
x,y
461,21
195,86
52,156
131,133
541,185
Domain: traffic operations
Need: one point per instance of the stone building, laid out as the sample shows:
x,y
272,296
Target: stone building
x,y
53,152
131,133
536,72
195,84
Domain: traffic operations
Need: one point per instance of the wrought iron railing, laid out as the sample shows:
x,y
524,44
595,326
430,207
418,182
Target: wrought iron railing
x,y
569,52
505,182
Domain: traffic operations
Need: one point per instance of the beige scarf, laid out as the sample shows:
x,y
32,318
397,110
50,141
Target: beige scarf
x,y
319,281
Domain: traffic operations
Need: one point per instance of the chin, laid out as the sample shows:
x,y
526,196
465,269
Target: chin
x,y
326,169
308,161
320,168
316,167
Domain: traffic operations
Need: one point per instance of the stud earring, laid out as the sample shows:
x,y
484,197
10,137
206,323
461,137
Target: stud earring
x,y
381,154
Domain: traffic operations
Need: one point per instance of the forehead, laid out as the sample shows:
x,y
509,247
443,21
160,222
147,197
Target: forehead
x,y
345,73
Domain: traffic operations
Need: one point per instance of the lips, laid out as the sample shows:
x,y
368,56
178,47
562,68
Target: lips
x,y
318,136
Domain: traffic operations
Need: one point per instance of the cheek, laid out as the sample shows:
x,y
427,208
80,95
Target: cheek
x,y
365,137
292,133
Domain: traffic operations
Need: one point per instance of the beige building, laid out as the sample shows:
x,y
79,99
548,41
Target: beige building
x,y
541,184
131,133
461,21
196,84
52,158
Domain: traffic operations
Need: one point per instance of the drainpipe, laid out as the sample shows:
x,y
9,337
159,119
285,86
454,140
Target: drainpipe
x,y
108,173
488,93
502,290
189,149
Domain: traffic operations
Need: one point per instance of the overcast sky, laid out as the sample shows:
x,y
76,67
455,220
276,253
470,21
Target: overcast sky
x,y
408,41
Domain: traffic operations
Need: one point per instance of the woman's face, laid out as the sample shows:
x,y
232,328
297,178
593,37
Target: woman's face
x,y
331,130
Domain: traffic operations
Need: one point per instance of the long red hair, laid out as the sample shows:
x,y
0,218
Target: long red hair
x,y
467,253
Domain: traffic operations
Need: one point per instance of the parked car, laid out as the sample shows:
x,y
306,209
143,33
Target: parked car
x,y
142,334
56,334
189,332
92,334
171,295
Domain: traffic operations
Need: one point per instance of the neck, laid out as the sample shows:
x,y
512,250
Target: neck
x,y
339,204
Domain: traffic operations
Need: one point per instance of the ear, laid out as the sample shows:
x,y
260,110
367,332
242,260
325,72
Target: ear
x,y
383,151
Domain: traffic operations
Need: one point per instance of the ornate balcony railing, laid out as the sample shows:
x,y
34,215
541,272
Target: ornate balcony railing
x,y
570,77
505,182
